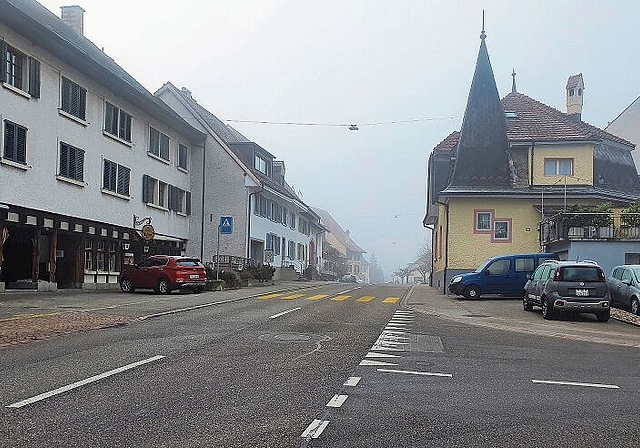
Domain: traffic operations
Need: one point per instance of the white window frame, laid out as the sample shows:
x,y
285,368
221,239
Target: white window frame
x,y
120,116
120,171
554,166
182,160
158,152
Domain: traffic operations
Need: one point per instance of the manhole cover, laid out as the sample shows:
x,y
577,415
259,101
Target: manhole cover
x,y
476,315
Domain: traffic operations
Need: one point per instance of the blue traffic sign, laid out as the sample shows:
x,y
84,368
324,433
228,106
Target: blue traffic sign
x,y
226,225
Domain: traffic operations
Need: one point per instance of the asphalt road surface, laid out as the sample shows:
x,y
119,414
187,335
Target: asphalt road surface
x,y
330,366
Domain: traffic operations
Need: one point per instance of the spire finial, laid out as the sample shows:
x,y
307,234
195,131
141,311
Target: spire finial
x,y
483,35
513,84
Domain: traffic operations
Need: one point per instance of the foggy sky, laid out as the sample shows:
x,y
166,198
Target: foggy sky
x,y
365,61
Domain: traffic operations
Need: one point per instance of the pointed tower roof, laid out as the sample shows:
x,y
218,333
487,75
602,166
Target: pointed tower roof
x,y
482,158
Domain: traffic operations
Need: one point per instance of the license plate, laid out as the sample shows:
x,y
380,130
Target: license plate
x,y
582,292
194,276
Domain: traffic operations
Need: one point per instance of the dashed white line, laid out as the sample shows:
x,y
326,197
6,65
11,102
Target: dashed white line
x,y
571,383
314,429
352,381
283,313
411,372
337,401
368,362
77,384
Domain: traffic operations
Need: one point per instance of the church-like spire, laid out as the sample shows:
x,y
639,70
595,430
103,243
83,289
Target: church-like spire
x,y
513,83
482,158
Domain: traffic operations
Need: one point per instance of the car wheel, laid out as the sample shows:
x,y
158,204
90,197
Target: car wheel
x,y
547,313
635,306
525,303
126,285
471,292
603,317
197,290
163,286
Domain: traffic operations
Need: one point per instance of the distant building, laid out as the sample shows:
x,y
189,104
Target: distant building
x,y
627,125
340,241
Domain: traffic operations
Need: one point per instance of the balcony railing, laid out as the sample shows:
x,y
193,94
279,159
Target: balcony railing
x,y
590,226
230,262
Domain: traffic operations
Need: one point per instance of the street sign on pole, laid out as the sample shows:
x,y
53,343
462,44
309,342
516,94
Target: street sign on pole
x,y
226,225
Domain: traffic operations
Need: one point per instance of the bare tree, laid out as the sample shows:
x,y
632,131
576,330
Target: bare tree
x,y
423,263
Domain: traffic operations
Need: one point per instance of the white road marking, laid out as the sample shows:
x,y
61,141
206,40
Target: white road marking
x,y
381,355
368,362
314,430
77,384
401,324
392,332
395,338
283,313
411,372
571,383
352,381
337,401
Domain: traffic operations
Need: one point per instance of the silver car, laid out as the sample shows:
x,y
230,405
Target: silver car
x,y
624,287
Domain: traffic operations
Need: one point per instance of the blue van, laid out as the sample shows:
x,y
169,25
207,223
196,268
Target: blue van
x,y
504,275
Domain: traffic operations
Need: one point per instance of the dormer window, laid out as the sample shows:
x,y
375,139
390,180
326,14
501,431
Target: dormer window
x,y
571,92
510,114
262,165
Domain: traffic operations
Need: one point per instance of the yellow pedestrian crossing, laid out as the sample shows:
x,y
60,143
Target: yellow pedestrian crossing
x,y
338,298
292,296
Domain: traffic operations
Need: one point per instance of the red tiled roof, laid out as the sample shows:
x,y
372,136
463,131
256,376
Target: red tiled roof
x,y
574,80
448,143
538,122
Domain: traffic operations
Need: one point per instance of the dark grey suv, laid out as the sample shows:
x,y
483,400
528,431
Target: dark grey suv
x,y
568,286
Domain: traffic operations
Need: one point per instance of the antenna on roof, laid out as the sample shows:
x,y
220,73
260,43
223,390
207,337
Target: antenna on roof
x,y
513,84
483,35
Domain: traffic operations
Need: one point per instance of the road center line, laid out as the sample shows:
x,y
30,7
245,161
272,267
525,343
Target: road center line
x,y
337,401
411,372
314,429
283,313
571,383
352,381
77,384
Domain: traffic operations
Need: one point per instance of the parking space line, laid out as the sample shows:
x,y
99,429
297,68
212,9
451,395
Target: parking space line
x,y
292,296
412,372
571,383
391,300
341,298
317,297
77,384
365,299
368,362
271,296
337,401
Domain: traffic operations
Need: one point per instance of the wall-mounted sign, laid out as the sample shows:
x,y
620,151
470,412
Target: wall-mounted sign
x,y
148,232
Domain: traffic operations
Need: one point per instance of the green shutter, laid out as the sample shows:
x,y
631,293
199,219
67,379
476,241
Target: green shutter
x,y
34,77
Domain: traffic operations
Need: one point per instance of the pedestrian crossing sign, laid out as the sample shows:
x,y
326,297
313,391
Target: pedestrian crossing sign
x,y
226,225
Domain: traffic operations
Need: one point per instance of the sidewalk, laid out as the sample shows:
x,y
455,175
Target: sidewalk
x,y
27,316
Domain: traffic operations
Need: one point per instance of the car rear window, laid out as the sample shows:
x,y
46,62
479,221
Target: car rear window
x,y
581,274
187,262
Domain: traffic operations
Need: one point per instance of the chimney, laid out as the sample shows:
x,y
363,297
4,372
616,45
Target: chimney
x,y
278,171
575,94
186,92
73,16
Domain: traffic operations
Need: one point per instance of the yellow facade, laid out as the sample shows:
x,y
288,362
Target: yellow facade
x,y
581,154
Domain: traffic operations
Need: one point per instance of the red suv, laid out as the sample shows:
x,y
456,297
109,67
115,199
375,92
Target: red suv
x,y
164,273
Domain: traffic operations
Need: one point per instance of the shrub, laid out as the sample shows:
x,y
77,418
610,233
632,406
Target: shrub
x,y
230,278
631,220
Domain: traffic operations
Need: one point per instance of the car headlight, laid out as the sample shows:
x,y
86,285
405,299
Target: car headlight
x,y
456,279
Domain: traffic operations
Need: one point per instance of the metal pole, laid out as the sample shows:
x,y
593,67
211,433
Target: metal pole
x,y
565,193
218,256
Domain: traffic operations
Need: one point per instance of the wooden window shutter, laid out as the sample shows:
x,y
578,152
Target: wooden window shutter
x,y
173,194
187,196
146,193
124,174
34,77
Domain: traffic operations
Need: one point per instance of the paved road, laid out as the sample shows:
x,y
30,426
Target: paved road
x,y
374,366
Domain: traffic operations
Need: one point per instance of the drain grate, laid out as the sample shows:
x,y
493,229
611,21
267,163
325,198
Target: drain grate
x,y
476,315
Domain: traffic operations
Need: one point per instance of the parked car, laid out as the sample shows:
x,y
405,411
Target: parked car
x,y
624,287
568,286
504,275
163,274
348,278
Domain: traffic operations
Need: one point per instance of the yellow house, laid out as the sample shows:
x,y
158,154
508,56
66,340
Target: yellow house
x,y
513,162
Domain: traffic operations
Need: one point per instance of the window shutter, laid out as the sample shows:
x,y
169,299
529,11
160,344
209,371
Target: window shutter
x,y
64,160
66,94
82,102
79,174
9,140
187,195
124,174
105,174
3,58
146,194
34,77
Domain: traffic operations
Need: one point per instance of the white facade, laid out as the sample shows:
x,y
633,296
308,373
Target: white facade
x,y
627,126
57,191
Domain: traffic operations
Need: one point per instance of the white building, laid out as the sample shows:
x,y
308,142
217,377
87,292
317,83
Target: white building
x,y
88,156
272,225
